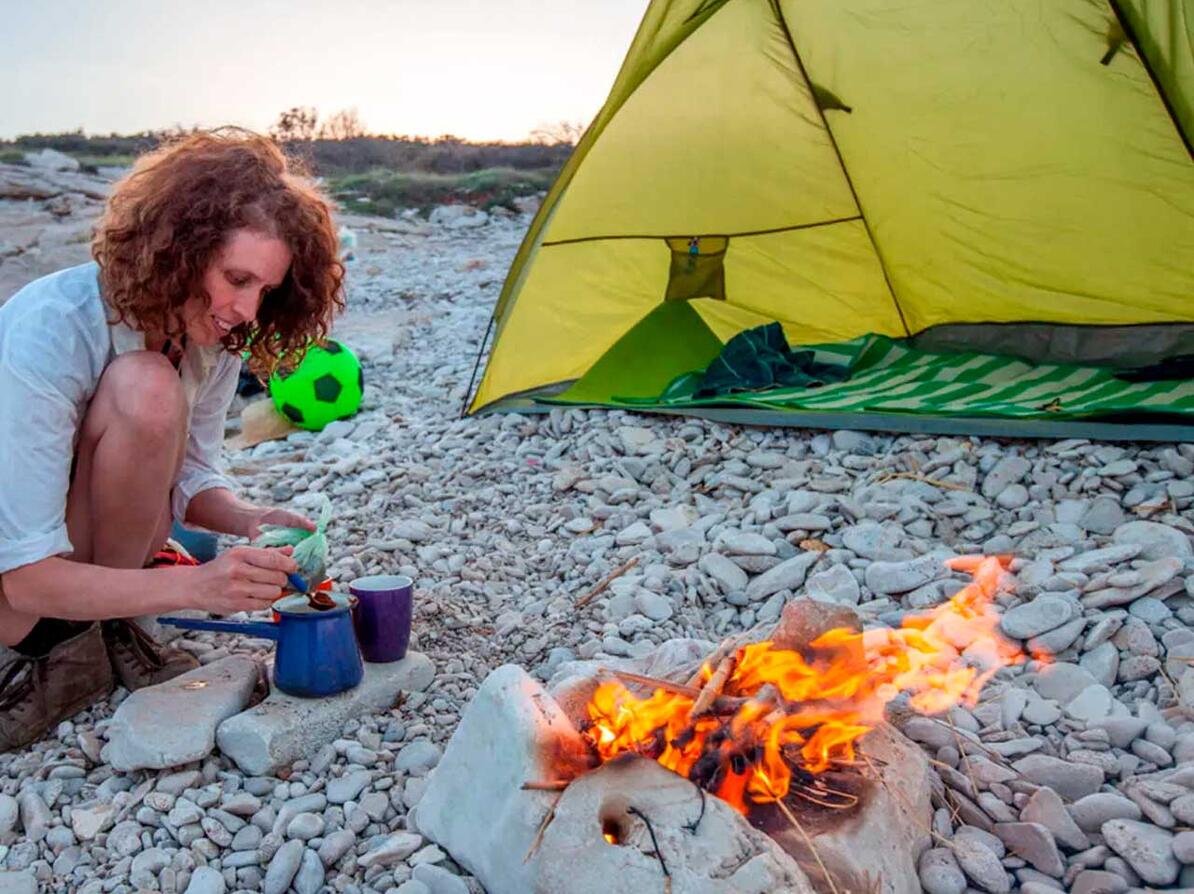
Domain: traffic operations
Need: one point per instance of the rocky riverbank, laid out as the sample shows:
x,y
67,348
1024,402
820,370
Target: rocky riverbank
x,y
1078,777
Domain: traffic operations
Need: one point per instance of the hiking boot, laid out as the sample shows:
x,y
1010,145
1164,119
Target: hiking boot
x,y
138,660
37,693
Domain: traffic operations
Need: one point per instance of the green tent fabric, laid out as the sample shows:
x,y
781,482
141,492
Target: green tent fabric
x,y
1009,177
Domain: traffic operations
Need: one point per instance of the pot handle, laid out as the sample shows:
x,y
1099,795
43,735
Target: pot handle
x,y
265,629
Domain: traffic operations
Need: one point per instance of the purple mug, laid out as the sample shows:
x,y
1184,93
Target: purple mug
x,y
382,616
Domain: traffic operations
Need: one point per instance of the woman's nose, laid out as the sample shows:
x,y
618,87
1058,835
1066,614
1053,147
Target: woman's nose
x,y
246,307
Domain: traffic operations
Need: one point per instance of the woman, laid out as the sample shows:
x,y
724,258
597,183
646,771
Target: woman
x,y
115,378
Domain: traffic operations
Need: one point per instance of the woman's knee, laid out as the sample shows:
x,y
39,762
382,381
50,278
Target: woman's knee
x,y
141,391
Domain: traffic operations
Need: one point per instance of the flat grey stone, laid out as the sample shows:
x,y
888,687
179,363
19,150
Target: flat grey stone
x,y
205,880
1053,641
1096,881
1034,843
787,575
283,867
1038,616
284,728
438,880
175,722
1102,663
1157,541
981,864
1068,779
1092,811
1147,848
729,577
18,883
1009,470
345,788
394,849
939,872
836,584
888,578
1092,703
1062,681
1047,809
875,542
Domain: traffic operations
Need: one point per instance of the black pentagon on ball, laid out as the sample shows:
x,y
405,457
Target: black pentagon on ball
x,y
293,413
333,347
327,388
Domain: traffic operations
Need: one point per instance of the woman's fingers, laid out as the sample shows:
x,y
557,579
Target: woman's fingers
x,y
278,560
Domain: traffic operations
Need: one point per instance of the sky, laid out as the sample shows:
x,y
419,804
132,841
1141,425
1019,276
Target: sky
x,y
491,70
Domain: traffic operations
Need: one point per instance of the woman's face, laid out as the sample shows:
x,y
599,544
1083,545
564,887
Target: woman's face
x,y
250,264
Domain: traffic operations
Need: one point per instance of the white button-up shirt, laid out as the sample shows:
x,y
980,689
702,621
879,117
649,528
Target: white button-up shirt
x,y
56,339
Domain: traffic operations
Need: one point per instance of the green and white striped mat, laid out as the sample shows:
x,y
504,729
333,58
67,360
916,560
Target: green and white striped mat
x,y
888,377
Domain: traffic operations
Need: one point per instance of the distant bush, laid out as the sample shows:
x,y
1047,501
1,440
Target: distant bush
x,y
12,157
384,192
371,174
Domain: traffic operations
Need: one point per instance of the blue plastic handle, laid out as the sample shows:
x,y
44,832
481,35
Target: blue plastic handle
x,y
259,628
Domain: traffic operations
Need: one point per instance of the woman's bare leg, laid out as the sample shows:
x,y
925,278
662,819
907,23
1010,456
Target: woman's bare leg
x,y
130,449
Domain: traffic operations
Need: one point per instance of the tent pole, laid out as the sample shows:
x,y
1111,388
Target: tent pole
x,y
468,394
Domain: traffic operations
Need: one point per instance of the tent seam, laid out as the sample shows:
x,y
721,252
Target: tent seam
x,y
783,24
1130,33
787,229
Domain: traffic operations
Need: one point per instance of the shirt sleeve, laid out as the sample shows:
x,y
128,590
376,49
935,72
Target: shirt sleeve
x,y
201,467
48,370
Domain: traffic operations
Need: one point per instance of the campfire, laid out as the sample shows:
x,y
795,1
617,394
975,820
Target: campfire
x,y
767,764
766,723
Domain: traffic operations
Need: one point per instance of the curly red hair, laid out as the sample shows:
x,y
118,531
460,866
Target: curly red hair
x,y
168,219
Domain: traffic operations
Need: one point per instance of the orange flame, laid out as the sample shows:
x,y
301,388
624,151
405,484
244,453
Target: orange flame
x,y
819,703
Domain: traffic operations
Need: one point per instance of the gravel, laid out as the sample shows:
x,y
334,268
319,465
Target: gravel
x,y
1086,766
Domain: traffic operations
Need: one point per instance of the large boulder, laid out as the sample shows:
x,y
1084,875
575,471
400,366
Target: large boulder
x,y
511,732
720,854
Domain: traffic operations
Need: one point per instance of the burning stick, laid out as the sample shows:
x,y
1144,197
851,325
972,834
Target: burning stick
x,y
605,582
550,785
654,682
711,690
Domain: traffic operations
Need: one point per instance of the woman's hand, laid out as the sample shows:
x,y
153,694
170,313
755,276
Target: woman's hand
x,y
283,517
243,579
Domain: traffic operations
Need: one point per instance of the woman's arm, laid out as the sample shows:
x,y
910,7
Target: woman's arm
x,y
242,579
219,509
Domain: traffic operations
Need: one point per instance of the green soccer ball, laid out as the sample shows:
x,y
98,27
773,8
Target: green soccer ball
x,y
326,386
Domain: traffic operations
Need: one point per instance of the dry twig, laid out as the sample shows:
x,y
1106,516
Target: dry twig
x,y
605,582
808,841
551,814
913,476
711,690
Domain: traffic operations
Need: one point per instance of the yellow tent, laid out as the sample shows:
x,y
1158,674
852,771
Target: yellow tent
x,y
1008,176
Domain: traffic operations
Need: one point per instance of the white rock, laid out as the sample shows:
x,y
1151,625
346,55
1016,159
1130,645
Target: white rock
x,y
284,728
174,723
516,731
